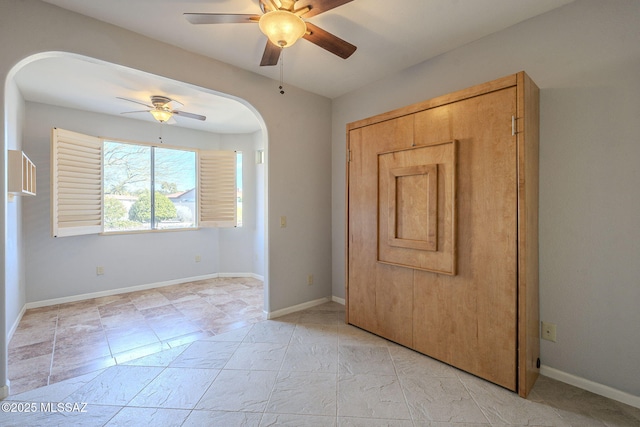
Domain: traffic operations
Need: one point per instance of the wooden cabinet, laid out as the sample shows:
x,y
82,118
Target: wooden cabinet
x,y
442,205
21,174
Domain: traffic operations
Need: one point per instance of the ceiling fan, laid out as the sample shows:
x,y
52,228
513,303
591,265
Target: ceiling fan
x,y
161,111
282,22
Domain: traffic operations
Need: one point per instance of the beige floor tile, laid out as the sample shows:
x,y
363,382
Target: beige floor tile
x,y
71,318
304,393
224,418
79,328
170,328
97,338
117,309
64,371
232,390
177,294
198,309
33,324
139,352
232,324
302,369
29,382
176,388
78,355
24,337
27,368
150,300
77,308
152,416
30,351
96,333
165,311
115,386
123,320
112,300
187,339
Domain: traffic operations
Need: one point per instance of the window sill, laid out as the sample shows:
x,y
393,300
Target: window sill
x,y
162,230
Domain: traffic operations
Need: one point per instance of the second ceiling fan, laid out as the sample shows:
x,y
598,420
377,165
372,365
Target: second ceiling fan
x,y
282,22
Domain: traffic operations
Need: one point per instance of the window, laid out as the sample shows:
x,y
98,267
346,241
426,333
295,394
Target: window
x,y
148,188
239,188
107,186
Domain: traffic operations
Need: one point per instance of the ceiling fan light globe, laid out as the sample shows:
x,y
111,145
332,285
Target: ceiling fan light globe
x,y
282,28
161,115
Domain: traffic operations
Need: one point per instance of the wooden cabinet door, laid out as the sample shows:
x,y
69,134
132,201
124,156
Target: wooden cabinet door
x,y
380,295
469,319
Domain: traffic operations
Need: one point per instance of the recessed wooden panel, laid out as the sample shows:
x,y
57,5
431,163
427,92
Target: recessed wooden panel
x,y
416,206
413,207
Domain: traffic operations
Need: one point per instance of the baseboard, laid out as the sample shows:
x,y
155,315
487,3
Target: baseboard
x,y
594,387
110,292
16,323
338,300
4,391
299,307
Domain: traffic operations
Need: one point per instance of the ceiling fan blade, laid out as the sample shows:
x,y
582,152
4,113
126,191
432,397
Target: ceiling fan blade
x,y
139,111
271,54
177,103
133,100
189,115
268,6
220,18
328,41
319,6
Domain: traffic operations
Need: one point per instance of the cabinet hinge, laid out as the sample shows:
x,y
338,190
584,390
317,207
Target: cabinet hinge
x,y
514,125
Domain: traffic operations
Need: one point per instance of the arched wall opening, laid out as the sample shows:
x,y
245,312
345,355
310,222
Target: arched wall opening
x,y
20,257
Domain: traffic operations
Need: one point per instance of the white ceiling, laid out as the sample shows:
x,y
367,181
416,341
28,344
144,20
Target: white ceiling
x,y
82,84
390,36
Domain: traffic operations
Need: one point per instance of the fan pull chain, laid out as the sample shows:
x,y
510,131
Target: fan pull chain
x,y
281,71
161,132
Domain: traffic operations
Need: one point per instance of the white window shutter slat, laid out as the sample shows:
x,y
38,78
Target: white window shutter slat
x,y
76,183
217,189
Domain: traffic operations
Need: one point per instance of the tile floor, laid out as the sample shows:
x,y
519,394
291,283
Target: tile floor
x,y
58,342
303,369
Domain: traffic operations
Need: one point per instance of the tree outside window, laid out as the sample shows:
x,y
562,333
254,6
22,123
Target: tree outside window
x,y
134,175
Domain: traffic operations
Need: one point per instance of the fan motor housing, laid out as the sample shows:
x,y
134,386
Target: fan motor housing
x,y
159,101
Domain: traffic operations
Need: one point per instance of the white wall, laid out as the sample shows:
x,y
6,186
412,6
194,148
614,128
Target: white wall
x,y
260,200
238,252
585,57
298,126
66,266
14,268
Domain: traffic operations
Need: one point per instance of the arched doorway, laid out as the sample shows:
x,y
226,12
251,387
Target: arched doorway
x,y
90,87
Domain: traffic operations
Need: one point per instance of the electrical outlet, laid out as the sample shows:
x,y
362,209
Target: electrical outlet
x,y
310,279
198,259
548,331
99,271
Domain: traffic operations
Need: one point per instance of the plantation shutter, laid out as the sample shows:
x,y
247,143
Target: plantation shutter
x,y
217,189
76,183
